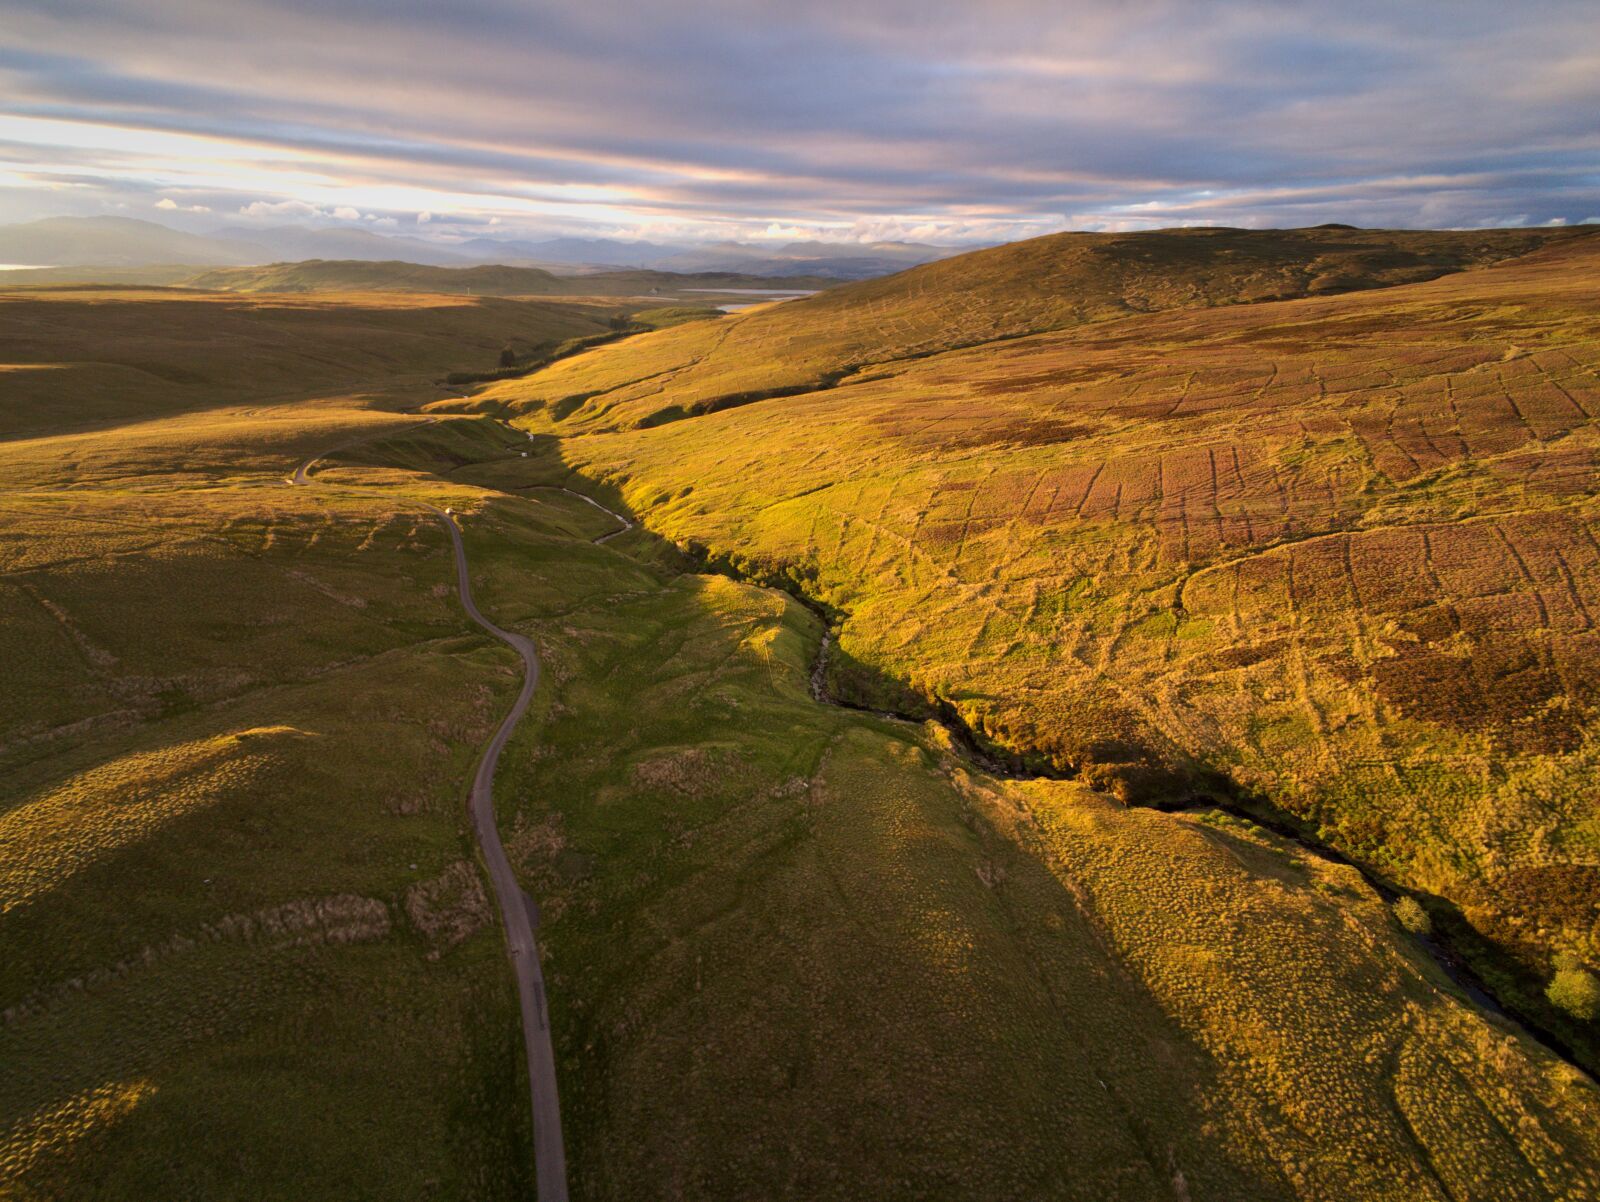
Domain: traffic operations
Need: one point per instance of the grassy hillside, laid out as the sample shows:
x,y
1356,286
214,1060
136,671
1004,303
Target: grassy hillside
x,y
800,951
793,950
318,275
245,949
1007,292
1331,557
73,357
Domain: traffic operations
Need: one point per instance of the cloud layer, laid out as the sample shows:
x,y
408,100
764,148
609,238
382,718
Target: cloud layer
x,y
935,120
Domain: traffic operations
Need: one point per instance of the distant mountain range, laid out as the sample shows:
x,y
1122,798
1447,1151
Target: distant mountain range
x,y
116,242
130,242
840,260
485,279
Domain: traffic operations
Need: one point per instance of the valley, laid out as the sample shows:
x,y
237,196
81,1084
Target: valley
x,y
911,659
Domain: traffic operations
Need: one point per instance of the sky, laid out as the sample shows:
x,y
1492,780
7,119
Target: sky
x,y
774,120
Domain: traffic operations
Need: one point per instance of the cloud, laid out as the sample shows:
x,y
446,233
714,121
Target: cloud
x,y
346,213
167,204
935,120
281,208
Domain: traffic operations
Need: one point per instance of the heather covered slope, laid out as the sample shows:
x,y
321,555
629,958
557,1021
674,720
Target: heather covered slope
x,y
1335,557
1007,292
793,950
800,951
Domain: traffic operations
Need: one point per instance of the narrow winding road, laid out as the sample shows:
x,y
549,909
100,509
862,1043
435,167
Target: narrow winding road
x,y
517,910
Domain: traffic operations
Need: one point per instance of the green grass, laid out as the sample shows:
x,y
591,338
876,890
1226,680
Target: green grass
x,y
1338,550
792,950
241,957
769,923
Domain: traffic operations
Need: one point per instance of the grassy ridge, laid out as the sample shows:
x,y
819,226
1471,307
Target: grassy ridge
x,y
1338,552
1007,292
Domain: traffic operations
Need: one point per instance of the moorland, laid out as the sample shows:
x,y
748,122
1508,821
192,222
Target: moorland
x,y
1177,529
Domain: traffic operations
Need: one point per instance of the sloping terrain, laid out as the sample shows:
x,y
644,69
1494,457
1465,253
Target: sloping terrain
x,y
796,950
74,357
1008,292
793,949
246,950
1333,559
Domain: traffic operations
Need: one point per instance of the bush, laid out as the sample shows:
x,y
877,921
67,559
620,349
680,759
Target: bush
x,y
1408,912
1575,990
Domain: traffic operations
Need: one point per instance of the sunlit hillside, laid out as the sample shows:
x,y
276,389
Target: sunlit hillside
x,y
1053,283
791,948
1328,559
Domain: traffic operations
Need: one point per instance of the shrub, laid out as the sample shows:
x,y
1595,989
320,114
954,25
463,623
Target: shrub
x,y
1577,991
1408,912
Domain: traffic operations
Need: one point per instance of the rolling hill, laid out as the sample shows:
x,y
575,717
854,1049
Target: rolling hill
x,y
1319,559
1329,560
81,357
1005,293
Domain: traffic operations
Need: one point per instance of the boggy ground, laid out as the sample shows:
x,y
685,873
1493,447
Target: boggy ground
x,y
1335,557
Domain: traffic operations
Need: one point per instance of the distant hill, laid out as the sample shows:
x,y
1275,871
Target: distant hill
x,y
349,275
842,260
286,243
124,242
1022,288
602,252
117,242
836,260
361,275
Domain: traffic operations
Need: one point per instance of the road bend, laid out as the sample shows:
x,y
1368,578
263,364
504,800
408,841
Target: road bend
x,y
550,1160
